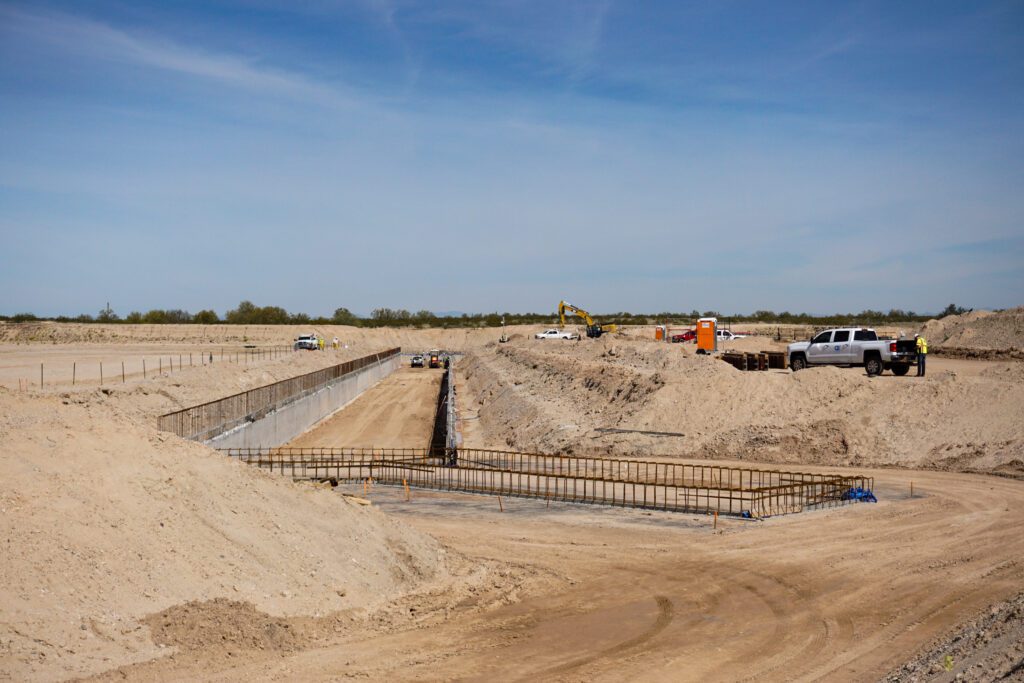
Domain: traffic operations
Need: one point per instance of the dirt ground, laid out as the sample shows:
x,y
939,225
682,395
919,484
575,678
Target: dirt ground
x,y
132,554
396,413
844,594
638,398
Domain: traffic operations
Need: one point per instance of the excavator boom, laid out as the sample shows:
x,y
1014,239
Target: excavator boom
x,y
593,328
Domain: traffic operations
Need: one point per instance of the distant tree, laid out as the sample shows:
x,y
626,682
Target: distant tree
x,y
299,319
953,309
206,317
84,318
157,316
177,315
107,315
245,314
23,317
134,317
390,315
273,315
343,316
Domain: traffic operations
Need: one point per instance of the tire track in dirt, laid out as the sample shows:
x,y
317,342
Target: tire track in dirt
x,y
666,613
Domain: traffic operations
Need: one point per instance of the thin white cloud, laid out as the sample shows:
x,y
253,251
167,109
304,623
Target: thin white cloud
x,y
85,37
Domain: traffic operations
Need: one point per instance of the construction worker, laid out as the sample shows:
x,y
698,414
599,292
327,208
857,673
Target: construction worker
x,y
320,343
922,353
335,343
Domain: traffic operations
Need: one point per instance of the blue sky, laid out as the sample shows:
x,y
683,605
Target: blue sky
x,y
484,156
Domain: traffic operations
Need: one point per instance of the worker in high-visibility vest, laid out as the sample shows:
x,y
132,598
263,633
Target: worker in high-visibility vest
x,y
922,353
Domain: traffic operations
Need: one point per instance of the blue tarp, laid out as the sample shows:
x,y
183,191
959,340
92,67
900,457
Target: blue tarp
x,y
858,493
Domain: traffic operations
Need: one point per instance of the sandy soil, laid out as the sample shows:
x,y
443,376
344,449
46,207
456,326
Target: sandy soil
x,y
842,594
642,398
117,363
396,413
130,552
105,520
978,330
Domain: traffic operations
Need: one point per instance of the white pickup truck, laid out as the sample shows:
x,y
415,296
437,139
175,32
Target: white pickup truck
x,y
854,346
309,342
556,334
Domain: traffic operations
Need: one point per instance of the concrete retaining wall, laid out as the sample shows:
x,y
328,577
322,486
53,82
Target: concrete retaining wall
x,y
287,422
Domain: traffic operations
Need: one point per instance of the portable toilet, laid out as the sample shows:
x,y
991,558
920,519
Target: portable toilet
x,y
659,332
707,335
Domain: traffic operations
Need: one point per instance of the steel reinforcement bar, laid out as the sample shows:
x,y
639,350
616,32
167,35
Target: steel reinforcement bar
x,y
207,420
676,487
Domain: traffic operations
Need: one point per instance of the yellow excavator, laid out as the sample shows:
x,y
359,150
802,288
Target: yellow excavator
x,y
593,328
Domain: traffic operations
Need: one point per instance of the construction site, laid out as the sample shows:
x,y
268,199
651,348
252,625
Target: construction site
x,y
578,502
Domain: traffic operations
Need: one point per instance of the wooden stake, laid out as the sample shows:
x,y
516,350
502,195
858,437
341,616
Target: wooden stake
x,y
716,519
40,375
101,374
500,506
122,372
74,372
143,368
405,483
911,489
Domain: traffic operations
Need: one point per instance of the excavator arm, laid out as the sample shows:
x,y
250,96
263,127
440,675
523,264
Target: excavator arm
x,y
564,306
593,328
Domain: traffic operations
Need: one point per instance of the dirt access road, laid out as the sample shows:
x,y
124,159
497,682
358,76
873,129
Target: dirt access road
x,y
843,594
396,413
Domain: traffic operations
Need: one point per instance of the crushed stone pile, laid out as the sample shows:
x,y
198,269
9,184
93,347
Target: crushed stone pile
x,y
988,648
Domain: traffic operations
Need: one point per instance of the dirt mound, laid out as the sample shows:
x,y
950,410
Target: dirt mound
x,y
106,520
978,330
222,623
549,396
606,398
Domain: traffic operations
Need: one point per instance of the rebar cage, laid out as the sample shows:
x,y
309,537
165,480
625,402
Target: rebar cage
x,y
669,486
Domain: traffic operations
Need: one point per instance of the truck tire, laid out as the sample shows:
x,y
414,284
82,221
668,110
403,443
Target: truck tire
x,y
900,369
873,366
797,362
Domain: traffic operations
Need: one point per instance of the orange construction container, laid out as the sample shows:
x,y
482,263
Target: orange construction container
x,y
659,332
707,335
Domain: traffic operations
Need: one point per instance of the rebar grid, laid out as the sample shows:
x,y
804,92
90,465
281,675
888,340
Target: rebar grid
x,y
679,487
